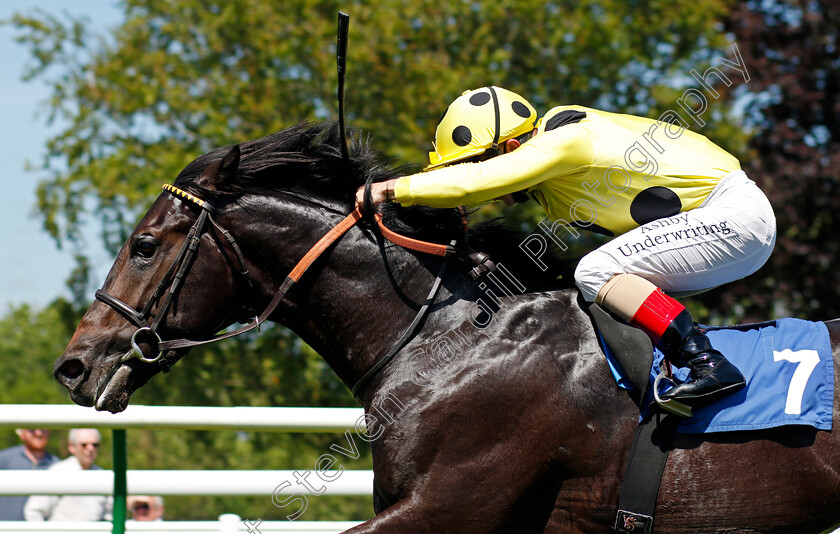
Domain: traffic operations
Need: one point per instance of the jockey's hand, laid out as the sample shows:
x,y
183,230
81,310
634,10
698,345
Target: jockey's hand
x,y
380,192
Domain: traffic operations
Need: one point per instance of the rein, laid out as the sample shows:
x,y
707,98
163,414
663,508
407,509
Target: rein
x,y
180,266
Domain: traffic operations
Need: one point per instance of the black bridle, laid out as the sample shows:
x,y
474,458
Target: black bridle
x,y
172,280
181,264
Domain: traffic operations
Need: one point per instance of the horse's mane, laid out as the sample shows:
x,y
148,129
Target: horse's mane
x,y
306,159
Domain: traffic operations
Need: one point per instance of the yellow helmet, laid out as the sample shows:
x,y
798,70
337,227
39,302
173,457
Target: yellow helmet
x,y
478,120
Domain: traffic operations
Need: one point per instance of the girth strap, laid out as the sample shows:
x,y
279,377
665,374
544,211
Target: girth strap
x,y
648,455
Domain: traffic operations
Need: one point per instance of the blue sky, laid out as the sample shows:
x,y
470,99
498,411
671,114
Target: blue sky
x,y
32,269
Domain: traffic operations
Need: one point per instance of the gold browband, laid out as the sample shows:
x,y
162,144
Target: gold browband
x,y
192,198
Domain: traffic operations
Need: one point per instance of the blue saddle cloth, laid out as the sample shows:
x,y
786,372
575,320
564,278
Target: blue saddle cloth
x,y
789,368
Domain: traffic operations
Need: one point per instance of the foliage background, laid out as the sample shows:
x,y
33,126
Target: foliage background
x,y
180,77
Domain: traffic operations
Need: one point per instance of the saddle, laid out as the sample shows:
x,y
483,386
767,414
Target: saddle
x,y
631,347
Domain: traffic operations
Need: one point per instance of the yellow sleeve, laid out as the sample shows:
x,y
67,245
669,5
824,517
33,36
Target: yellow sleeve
x,y
548,155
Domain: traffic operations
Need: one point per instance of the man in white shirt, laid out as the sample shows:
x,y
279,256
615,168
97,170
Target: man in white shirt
x,y
84,448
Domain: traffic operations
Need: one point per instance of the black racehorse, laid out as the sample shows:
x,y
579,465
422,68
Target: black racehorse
x,y
497,415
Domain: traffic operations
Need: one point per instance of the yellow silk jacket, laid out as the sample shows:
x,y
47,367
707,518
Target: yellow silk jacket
x,y
607,171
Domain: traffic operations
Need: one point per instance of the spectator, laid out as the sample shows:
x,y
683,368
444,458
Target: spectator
x,y
84,448
32,454
146,507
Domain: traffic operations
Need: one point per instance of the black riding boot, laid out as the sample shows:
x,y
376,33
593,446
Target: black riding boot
x,y
711,376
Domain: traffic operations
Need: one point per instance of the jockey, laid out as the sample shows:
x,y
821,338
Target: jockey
x,y
683,215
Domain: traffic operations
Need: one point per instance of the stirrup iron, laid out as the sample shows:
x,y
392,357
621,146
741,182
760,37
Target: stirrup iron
x,y
669,405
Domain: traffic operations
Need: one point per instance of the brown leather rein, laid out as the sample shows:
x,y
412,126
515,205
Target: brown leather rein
x,y
180,266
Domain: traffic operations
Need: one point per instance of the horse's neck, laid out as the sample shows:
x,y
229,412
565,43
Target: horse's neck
x,y
354,302
360,304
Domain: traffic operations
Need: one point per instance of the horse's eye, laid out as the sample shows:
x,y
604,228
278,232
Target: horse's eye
x,y
146,249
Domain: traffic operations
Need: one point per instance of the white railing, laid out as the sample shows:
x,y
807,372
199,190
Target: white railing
x,y
185,417
227,524
167,482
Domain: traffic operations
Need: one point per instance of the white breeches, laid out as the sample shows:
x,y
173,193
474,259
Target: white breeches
x,y
729,236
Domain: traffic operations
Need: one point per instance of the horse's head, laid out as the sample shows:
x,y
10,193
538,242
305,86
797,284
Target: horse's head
x,y
175,277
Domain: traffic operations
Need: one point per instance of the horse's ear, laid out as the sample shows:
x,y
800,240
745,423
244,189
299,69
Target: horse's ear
x,y
221,172
229,165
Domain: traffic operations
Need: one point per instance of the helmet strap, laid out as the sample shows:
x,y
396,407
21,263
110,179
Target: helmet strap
x,y
521,196
498,117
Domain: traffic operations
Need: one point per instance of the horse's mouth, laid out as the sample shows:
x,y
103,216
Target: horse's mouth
x,y
108,387
113,395
114,392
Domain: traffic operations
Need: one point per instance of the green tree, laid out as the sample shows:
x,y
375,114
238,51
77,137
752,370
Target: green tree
x,y
31,343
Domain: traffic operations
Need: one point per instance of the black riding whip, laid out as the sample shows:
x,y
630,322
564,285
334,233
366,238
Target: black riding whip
x,y
341,57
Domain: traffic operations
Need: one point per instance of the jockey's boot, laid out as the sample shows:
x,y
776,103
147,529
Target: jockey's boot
x,y
711,376
670,327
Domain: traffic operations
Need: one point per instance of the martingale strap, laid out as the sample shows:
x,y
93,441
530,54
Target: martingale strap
x,y
409,332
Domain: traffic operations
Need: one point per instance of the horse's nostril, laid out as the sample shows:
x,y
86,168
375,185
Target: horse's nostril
x,y
70,369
